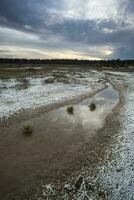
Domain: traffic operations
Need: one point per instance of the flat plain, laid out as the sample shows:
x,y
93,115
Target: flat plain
x,y
83,154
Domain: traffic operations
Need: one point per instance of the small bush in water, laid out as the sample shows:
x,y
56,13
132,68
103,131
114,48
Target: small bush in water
x,y
70,110
92,107
27,129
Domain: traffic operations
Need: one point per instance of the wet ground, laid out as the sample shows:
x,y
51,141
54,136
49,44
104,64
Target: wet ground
x,y
32,90
87,154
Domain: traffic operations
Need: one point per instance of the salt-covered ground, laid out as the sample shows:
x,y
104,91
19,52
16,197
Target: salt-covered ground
x,y
35,91
108,170
113,175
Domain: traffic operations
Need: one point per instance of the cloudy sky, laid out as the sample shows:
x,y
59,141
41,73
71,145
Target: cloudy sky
x,y
82,29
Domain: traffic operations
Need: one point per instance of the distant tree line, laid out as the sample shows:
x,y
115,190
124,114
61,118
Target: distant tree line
x,y
107,63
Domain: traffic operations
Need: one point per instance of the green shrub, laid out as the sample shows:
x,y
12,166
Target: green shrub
x,y
92,107
27,129
70,110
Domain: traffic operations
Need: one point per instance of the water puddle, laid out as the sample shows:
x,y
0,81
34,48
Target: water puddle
x,y
85,118
105,100
109,94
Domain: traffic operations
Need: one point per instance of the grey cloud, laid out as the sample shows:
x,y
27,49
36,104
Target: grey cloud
x,y
39,18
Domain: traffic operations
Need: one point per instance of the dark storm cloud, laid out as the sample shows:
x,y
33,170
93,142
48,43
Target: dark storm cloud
x,y
17,13
49,20
95,33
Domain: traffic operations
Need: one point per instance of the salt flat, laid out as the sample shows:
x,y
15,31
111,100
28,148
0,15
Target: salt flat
x,y
84,155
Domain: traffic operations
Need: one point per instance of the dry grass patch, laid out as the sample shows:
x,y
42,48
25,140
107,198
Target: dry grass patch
x,y
92,107
27,129
70,110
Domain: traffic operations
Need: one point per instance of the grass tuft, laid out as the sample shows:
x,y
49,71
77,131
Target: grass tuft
x,y
92,107
49,80
70,110
27,129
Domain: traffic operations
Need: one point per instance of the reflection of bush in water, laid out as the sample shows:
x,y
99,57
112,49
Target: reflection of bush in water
x,y
92,107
